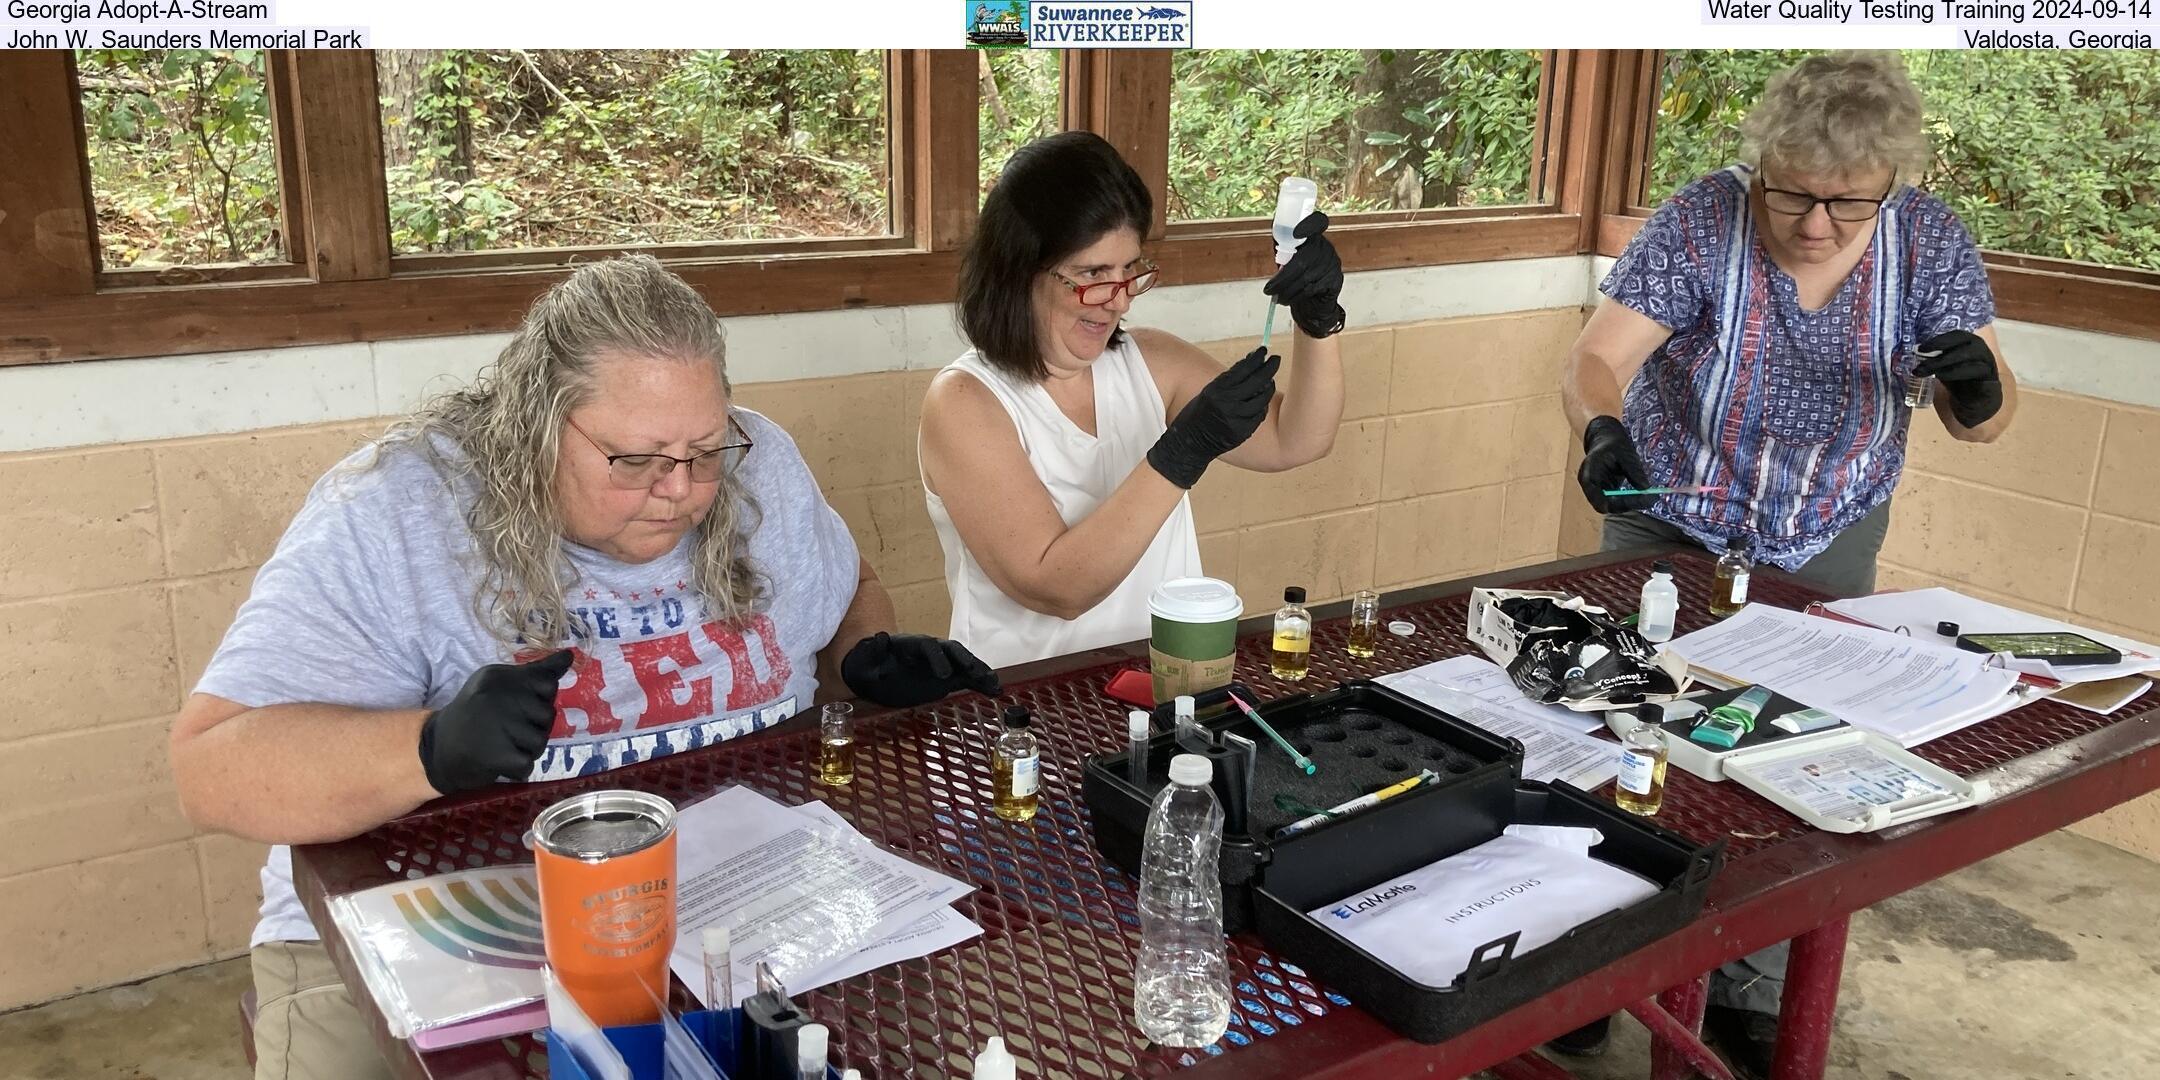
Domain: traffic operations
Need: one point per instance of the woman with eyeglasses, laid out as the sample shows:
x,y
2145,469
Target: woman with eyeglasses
x,y
587,559
1057,453
1756,339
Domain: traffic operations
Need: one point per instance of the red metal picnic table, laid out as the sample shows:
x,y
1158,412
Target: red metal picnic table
x,y
1052,971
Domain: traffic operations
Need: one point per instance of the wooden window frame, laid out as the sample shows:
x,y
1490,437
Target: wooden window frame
x,y
2028,288
343,284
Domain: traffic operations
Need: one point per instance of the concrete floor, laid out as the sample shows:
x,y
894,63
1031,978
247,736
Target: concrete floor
x,y
2040,963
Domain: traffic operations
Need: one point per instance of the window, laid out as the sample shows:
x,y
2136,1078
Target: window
x,y
183,166
1377,129
1019,104
514,148
2041,153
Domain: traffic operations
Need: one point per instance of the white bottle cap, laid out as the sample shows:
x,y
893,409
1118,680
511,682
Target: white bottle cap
x,y
1191,770
994,1063
810,1045
715,940
1402,628
851,1074
1185,705
1138,724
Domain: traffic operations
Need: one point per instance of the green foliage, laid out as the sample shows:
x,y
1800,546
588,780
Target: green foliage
x,y
2041,153
1351,120
1027,90
182,169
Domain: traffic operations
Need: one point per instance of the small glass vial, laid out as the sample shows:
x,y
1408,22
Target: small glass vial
x,y
1919,390
1643,757
1660,604
1292,653
1139,726
1015,768
836,744
1728,586
1364,641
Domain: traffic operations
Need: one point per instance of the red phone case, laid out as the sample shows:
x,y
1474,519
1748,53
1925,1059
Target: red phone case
x,y
1133,687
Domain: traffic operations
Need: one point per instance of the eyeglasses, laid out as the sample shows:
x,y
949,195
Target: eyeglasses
x,y
1096,294
1801,203
632,471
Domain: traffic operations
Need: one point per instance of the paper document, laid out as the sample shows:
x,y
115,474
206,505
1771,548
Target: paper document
x,y
1903,688
1849,782
1917,611
1428,923
2105,696
1488,682
798,893
1553,747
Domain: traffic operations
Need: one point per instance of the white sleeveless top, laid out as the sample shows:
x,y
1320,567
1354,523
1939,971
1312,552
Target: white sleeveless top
x,y
1080,471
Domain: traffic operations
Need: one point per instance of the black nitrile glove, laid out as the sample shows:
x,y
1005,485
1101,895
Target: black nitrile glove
x,y
1966,367
1217,420
1311,282
496,726
1609,461
904,670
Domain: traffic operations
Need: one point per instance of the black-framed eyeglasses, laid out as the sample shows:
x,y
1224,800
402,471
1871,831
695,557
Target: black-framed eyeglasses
x,y
1098,293
1802,203
632,471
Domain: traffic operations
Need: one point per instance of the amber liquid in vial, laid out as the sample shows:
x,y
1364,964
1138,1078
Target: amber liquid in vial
x,y
836,761
1364,640
1007,799
1291,657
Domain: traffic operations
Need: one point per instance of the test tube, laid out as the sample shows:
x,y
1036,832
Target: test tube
x,y
1185,711
1137,730
1919,389
719,968
810,1042
1364,639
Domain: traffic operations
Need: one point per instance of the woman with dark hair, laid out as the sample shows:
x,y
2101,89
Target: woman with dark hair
x,y
1057,453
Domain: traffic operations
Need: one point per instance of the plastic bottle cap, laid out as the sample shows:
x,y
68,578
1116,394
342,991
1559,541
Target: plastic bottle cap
x,y
1402,628
1661,567
1947,628
1017,716
1294,595
1191,770
1736,543
851,1074
994,1063
1138,724
810,1043
1185,705
715,939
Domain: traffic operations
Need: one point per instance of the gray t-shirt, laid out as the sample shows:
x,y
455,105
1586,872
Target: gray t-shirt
x,y
368,602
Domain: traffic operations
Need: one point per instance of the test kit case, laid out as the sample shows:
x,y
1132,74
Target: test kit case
x,y
1362,736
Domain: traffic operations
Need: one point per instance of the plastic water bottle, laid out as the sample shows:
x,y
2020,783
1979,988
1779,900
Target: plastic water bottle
x,y
1293,202
1182,986
1660,603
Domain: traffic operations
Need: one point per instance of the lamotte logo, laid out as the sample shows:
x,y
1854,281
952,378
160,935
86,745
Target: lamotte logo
x,y
999,25
1370,901
1102,24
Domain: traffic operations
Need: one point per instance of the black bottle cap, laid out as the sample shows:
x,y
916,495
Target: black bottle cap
x,y
1947,628
1736,543
1661,566
1016,716
1294,595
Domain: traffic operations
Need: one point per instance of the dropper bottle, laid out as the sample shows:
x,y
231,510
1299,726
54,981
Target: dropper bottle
x,y
994,1063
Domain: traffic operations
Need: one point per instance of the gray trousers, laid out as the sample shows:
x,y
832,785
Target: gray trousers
x,y
1847,568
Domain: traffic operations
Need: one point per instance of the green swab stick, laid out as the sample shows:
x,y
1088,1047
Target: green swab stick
x,y
1269,329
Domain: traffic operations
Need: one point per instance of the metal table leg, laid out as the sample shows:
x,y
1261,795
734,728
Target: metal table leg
x,y
1685,1004
1808,1011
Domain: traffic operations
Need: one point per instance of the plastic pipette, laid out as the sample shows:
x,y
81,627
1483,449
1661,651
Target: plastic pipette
x,y
1692,489
1303,762
1267,329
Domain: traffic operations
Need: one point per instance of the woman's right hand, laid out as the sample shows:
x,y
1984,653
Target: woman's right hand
x,y
1217,420
496,726
1609,462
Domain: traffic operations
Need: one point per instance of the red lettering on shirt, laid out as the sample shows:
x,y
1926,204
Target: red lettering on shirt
x,y
748,689
665,704
586,692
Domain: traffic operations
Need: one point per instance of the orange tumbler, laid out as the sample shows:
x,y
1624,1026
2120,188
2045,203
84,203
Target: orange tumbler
x,y
605,862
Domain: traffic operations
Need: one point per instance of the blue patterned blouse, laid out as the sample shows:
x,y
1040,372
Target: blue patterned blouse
x,y
1798,414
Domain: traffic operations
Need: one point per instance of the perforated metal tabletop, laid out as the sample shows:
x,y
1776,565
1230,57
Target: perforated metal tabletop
x,y
1052,971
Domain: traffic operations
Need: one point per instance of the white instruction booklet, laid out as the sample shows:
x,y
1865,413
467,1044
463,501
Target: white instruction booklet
x,y
1428,923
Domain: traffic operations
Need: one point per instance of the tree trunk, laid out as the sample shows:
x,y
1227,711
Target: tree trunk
x,y
407,78
990,93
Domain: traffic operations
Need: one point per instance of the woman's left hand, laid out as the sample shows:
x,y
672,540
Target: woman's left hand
x,y
1966,367
904,670
1311,282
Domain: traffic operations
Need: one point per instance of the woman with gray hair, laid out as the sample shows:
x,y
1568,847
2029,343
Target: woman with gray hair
x,y
1755,341
587,559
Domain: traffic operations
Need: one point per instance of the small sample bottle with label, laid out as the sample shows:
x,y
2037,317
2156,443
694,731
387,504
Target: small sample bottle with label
x,y
1292,654
1643,757
1138,728
1364,642
1015,767
1660,604
836,744
1728,586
